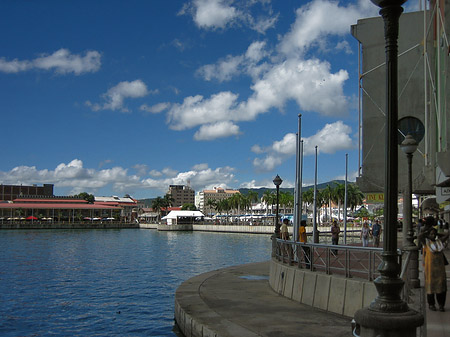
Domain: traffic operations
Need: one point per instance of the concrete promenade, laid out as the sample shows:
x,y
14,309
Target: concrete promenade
x,y
238,301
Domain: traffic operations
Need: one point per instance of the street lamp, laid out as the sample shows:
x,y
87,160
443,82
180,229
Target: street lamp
x,y
277,181
388,314
409,146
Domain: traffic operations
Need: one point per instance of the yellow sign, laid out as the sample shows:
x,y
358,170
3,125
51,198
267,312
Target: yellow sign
x,y
374,198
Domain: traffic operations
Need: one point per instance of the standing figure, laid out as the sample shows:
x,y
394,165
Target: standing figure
x,y
284,230
303,238
365,232
335,230
376,232
434,267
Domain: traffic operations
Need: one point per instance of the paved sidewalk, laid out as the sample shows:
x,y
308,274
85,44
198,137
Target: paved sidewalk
x,y
238,301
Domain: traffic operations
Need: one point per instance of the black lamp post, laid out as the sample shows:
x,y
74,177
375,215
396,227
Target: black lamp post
x,y
277,181
409,146
388,314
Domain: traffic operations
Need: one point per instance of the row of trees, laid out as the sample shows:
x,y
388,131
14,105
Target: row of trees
x,y
240,203
325,197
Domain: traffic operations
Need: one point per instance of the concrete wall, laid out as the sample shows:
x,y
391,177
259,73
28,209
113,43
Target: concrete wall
x,y
326,292
227,228
45,225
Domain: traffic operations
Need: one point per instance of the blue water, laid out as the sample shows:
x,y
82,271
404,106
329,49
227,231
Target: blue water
x,y
107,282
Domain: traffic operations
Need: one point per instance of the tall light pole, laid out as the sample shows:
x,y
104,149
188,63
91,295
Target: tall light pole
x,y
388,314
298,181
277,182
345,199
409,146
315,231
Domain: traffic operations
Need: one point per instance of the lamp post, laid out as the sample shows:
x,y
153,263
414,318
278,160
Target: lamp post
x,y
409,146
388,314
277,181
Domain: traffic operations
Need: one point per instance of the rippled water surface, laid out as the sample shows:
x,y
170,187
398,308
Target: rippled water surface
x,y
107,282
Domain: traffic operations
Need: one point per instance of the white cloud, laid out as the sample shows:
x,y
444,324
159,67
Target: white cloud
x,y
318,20
77,178
278,78
332,138
221,14
230,66
224,70
155,109
61,61
310,83
217,130
116,95
213,13
196,110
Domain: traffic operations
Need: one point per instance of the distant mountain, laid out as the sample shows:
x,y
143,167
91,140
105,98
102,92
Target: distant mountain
x,y
261,190
148,201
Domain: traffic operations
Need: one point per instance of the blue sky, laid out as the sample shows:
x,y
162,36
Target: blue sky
x,y
128,97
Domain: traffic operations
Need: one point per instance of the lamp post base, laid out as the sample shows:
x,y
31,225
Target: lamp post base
x,y
388,324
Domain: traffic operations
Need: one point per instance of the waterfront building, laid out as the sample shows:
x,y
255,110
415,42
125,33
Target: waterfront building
x,y
423,100
56,208
11,192
181,195
128,205
217,194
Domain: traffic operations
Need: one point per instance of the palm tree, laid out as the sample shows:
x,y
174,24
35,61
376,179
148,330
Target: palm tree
x,y
269,198
327,194
308,198
212,205
157,204
251,197
286,200
354,196
339,196
168,201
320,201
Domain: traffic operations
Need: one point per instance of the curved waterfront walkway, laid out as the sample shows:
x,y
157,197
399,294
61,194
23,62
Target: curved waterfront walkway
x,y
238,301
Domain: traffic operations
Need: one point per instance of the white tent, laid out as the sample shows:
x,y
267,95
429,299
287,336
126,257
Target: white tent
x,y
178,217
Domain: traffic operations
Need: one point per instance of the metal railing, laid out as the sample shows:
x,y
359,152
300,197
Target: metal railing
x,y
349,261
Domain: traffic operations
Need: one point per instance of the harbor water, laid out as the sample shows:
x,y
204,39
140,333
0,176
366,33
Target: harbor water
x,y
107,282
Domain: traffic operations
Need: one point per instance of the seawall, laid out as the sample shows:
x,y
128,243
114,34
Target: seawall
x,y
331,293
59,225
227,228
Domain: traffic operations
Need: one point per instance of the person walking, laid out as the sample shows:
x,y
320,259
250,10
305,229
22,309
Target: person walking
x,y
434,266
365,232
335,230
376,233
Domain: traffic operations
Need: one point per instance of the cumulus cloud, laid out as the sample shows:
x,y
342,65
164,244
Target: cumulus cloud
x,y
155,109
330,139
116,96
220,14
309,82
217,130
196,110
230,66
61,61
313,26
77,178
279,75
